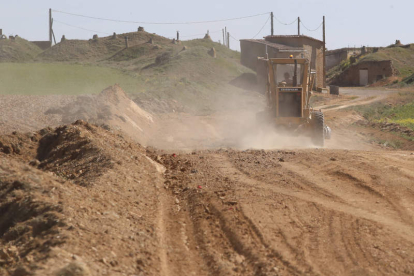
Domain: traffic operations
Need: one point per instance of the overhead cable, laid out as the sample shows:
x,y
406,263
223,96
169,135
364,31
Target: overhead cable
x,y
313,29
54,20
201,34
160,23
262,27
287,24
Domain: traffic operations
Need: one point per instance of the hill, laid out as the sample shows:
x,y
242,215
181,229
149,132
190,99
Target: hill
x,y
17,50
159,74
96,49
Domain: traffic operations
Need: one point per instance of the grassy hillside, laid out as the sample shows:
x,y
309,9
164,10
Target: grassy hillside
x,y
182,72
70,79
18,50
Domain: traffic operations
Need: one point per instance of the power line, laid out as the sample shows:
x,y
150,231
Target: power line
x,y
234,38
287,24
262,27
160,23
313,29
201,34
54,20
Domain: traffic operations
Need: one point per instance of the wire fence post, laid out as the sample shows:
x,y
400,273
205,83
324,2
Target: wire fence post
x,y
298,25
178,35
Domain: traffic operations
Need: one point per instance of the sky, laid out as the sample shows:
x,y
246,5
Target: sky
x,y
348,23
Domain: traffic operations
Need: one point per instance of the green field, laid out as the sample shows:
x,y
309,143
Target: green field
x,y
54,78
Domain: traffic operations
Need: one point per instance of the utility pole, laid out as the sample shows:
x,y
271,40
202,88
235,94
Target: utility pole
x,y
271,23
50,26
298,25
324,54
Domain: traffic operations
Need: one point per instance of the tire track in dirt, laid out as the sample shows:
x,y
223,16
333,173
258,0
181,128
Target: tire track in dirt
x,y
401,228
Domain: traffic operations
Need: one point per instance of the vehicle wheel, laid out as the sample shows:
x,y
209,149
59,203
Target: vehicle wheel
x,y
318,132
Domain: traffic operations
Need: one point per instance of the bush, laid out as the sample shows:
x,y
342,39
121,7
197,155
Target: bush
x,y
163,58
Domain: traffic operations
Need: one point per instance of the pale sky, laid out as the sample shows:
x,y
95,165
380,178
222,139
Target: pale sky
x,y
348,23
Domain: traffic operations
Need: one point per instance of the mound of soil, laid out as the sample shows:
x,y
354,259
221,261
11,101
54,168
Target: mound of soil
x,y
111,107
18,49
97,49
85,201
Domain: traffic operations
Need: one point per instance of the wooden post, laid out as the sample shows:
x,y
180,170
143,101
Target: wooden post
x,y
178,35
225,32
324,54
50,26
228,40
271,23
126,42
298,25
224,41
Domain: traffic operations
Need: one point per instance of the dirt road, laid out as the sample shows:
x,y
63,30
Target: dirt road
x,y
343,210
303,212
213,198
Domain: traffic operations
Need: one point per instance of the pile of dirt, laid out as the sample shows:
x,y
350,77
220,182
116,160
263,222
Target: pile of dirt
x,y
111,107
97,49
88,195
18,50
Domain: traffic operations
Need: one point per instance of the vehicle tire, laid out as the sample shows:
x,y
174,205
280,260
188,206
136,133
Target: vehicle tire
x,y
318,132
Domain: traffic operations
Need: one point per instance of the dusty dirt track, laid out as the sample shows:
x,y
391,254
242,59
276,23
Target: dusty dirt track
x,y
104,205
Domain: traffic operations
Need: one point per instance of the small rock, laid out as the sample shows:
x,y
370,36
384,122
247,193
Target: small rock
x,y
34,163
332,159
76,268
177,201
212,52
22,271
4,255
281,159
239,259
103,260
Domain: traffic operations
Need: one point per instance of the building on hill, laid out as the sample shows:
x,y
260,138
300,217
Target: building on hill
x,y
282,46
365,73
335,57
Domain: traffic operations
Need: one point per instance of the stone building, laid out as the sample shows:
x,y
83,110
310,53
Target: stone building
x,y
282,46
365,73
334,57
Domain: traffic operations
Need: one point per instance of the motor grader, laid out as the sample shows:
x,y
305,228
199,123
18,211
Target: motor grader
x,y
289,89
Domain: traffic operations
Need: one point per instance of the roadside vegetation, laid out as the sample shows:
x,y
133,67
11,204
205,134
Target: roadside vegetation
x,y
393,118
398,109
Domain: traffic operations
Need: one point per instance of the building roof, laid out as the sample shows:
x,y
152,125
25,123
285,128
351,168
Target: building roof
x,y
274,45
294,36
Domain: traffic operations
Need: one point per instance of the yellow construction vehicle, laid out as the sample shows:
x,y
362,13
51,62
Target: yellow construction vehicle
x,y
289,89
